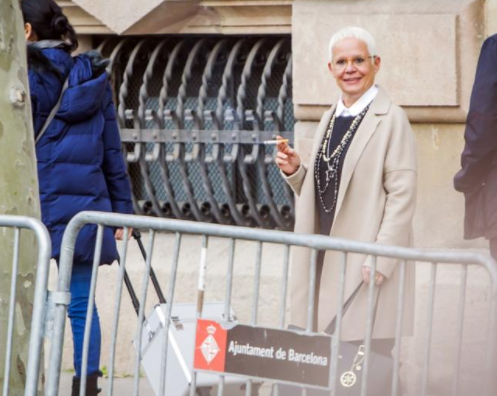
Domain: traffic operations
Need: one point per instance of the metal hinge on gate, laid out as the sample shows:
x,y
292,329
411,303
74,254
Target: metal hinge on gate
x,y
148,329
231,318
176,321
53,299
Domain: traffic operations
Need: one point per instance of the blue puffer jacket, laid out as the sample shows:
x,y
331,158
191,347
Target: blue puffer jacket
x,y
80,164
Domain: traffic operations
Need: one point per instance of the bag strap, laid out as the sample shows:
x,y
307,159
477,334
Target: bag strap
x,y
331,327
53,112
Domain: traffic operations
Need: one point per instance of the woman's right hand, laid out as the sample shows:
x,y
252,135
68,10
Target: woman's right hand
x,y
287,158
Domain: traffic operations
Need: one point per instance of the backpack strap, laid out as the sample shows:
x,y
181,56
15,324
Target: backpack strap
x,y
53,112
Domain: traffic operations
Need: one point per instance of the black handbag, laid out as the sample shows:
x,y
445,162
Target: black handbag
x,y
350,364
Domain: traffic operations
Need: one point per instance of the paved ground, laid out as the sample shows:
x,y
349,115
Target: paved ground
x,y
122,386
125,386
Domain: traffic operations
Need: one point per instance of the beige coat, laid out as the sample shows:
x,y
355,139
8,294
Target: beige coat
x,y
376,203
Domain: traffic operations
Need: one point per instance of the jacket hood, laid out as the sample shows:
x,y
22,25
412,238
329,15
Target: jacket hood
x,y
85,92
86,76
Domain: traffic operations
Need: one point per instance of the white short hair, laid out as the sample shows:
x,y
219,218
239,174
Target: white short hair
x,y
355,32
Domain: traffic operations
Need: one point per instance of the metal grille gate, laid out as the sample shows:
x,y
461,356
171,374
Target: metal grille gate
x,y
193,114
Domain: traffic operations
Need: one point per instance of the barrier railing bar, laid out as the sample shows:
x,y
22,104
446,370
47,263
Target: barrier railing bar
x,y
284,286
200,298
117,310
40,294
460,331
490,386
12,306
284,292
141,312
193,386
248,388
311,298
257,282
170,300
255,306
398,329
201,275
310,241
338,327
153,277
372,302
229,280
220,389
312,291
91,305
63,286
431,309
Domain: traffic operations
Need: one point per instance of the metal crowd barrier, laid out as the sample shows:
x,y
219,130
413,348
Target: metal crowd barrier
x,y
44,248
434,259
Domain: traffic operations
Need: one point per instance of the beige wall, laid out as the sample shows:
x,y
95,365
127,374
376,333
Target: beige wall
x,y
429,52
490,17
127,17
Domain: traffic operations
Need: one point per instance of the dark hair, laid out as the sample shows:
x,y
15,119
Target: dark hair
x,y
48,21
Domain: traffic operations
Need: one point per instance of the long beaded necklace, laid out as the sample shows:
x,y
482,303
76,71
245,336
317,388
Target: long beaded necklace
x,y
333,160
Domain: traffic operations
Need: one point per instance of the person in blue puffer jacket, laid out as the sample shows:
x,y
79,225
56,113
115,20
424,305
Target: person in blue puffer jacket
x,y
80,164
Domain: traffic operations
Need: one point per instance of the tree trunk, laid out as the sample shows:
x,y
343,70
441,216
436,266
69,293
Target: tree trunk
x,y
18,189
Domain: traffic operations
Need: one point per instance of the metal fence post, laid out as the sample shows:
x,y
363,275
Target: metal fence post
x,y
40,298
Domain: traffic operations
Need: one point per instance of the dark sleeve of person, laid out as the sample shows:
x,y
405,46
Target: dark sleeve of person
x,y
114,167
481,126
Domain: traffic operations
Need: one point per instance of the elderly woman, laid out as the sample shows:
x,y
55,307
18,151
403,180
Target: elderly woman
x,y
360,184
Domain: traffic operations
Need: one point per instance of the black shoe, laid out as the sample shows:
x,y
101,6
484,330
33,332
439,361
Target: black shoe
x,y
91,385
76,383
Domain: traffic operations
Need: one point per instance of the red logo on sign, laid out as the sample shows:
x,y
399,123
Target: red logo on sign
x,y
210,346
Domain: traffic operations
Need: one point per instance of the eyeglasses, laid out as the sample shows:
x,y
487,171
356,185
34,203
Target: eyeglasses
x,y
358,61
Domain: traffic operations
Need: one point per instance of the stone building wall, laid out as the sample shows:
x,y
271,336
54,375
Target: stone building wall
x,y
429,51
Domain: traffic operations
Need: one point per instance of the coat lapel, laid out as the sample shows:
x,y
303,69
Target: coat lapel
x,y
366,130
318,139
